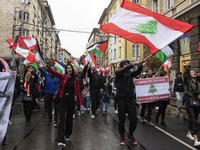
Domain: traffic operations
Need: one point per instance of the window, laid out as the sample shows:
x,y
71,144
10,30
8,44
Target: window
x,y
115,38
155,6
119,2
133,50
167,4
33,24
115,55
23,32
111,55
138,50
120,52
25,16
20,14
135,1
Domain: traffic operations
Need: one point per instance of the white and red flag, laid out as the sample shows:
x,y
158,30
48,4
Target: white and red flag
x,y
28,55
90,58
198,48
142,26
167,64
5,64
107,69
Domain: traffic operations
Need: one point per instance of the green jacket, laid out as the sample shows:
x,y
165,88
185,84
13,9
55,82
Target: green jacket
x,y
191,91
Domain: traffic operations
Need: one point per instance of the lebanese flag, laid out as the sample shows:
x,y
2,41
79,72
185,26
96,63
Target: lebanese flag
x,y
102,68
31,43
81,67
107,68
30,56
73,64
142,26
5,64
89,58
167,64
98,48
60,68
198,48
17,40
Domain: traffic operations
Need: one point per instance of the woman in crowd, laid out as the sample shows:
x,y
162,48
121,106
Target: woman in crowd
x,y
86,93
192,92
68,92
30,93
162,105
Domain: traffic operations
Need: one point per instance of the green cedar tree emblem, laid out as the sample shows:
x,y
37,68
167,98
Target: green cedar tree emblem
x,y
152,90
90,64
147,28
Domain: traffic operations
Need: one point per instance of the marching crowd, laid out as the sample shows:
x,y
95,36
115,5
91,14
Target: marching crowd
x,y
74,91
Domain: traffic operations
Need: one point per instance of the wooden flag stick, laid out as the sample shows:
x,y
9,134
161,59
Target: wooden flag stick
x,y
158,71
193,54
148,57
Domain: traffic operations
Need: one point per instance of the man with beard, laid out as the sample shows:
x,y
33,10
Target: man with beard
x,y
149,74
125,97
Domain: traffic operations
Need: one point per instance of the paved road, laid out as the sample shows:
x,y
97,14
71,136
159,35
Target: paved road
x,y
101,133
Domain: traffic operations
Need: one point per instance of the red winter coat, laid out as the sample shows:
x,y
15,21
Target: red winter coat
x,y
63,79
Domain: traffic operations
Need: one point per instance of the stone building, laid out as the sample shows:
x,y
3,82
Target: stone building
x,y
64,55
187,11
37,22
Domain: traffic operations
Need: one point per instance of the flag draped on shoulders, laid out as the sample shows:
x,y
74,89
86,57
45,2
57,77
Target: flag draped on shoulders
x,y
142,26
58,66
5,64
90,58
98,48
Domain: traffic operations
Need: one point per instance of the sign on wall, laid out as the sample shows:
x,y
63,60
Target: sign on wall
x,y
184,41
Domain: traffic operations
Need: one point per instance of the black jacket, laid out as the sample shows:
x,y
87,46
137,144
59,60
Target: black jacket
x,y
81,76
124,80
95,80
179,86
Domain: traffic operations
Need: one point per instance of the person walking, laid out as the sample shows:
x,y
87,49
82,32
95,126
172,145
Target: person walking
x,y
178,89
126,102
30,93
95,85
162,105
114,91
51,87
86,93
68,92
150,105
105,101
192,92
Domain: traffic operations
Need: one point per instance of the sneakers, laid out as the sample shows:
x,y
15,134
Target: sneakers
x,y
88,110
85,109
142,119
132,140
74,116
163,123
116,111
93,117
156,109
189,135
50,122
67,138
196,143
104,113
79,113
151,123
122,141
55,124
61,144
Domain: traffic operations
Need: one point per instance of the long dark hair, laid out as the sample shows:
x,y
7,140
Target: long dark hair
x,y
73,73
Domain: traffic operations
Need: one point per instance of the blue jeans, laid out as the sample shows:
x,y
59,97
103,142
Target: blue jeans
x,y
86,102
105,106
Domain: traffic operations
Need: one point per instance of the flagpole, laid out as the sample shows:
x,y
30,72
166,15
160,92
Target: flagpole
x,y
148,57
193,54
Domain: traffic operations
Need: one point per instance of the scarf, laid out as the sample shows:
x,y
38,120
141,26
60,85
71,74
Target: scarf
x,y
28,88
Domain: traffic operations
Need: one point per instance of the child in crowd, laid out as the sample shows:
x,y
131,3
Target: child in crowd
x,y
105,101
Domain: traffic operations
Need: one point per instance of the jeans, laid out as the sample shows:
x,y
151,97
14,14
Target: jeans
x,y
105,106
179,96
86,102
127,105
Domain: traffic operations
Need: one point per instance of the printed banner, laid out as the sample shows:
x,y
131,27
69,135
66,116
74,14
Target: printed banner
x,y
152,89
7,84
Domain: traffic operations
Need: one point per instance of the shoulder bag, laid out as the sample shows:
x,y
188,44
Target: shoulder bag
x,y
193,102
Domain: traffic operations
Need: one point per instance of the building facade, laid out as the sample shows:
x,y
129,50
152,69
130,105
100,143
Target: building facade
x,y
189,12
64,55
36,21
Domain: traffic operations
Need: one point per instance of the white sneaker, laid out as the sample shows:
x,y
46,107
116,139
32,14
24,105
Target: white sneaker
x,y
116,111
74,116
97,109
157,108
88,109
79,113
84,108
126,115
93,117
67,138
189,135
53,112
196,143
61,144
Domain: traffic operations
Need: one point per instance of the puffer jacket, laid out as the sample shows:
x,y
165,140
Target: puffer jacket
x,y
124,80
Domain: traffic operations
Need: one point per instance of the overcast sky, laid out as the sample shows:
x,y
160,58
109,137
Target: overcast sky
x,y
80,15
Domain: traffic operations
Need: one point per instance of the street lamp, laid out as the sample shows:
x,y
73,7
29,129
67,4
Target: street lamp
x,y
20,59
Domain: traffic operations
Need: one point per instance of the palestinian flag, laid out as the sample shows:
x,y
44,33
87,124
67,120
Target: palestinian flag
x,y
142,26
30,56
73,64
5,64
167,64
107,68
166,52
81,67
198,48
90,58
60,68
98,48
